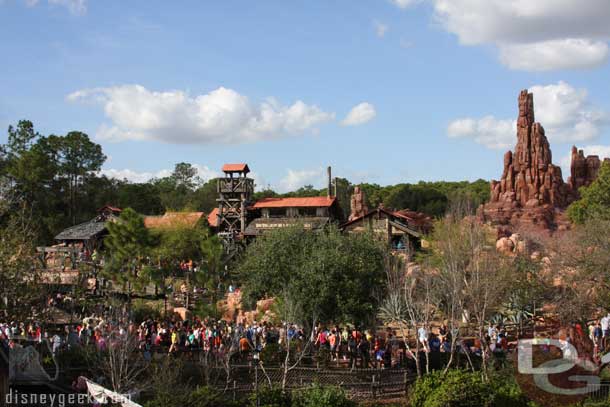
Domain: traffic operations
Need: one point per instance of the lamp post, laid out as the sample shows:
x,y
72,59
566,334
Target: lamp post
x,y
256,358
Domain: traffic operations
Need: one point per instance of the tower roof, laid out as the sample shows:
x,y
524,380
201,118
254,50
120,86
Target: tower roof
x,y
241,167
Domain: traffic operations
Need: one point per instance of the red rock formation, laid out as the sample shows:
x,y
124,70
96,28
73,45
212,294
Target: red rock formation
x,y
583,170
358,204
531,190
531,186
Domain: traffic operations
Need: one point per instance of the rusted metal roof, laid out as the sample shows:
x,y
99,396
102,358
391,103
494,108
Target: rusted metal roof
x,y
84,231
110,208
172,220
213,218
235,168
315,201
414,219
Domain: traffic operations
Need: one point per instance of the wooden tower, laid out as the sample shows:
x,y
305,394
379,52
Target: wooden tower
x,y
234,193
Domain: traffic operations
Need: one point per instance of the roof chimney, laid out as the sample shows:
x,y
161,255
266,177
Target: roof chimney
x,y
329,193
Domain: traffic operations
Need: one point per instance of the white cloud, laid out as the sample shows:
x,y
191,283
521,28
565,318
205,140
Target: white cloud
x,y
488,131
564,112
360,114
598,150
76,7
404,3
555,54
380,28
406,44
532,35
220,116
295,179
203,171
133,176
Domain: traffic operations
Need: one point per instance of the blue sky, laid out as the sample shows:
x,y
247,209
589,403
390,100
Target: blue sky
x,y
433,83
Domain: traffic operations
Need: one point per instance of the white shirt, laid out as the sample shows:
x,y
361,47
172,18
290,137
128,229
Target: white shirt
x,y
423,335
56,340
604,323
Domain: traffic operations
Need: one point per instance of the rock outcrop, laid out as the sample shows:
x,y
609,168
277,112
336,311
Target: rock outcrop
x,y
583,170
358,204
531,191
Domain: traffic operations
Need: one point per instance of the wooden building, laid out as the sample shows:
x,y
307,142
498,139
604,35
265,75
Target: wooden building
x,y
79,242
272,213
89,235
403,230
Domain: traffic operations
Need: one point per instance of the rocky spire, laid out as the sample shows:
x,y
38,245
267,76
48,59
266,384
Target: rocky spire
x,y
583,170
531,189
358,204
529,177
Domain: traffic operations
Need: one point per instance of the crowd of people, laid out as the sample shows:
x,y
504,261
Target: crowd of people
x,y
343,345
599,332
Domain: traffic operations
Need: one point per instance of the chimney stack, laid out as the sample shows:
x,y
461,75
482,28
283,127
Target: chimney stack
x,y
330,183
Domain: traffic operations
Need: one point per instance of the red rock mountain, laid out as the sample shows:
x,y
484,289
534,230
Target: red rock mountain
x,y
531,190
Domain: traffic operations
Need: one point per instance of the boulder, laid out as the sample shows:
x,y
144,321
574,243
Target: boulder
x,y
505,245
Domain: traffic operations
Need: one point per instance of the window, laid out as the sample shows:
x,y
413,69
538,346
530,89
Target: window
x,y
277,212
308,212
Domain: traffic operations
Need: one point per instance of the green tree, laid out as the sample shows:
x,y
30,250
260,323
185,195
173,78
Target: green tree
x,y
204,197
30,172
185,175
211,273
176,191
332,277
595,199
21,294
50,173
79,158
141,197
128,246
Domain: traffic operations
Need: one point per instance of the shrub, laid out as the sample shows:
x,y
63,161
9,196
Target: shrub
x,y
322,396
141,311
201,397
205,397
164,400
424,388
272,354
460,388
270,397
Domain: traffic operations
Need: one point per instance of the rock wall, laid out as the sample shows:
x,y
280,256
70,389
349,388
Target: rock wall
x,y
358,204
583,170
531,190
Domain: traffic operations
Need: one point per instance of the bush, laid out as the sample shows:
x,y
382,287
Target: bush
x,y
460,388
273,354
424,388
164,400
142,311
201,397
321,396
271,397
206,310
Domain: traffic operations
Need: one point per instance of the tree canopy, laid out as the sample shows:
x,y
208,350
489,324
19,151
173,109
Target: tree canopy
x,y
595,199
329,275
61,179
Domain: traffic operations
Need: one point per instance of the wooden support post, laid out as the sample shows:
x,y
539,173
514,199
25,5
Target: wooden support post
x,y
373,387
